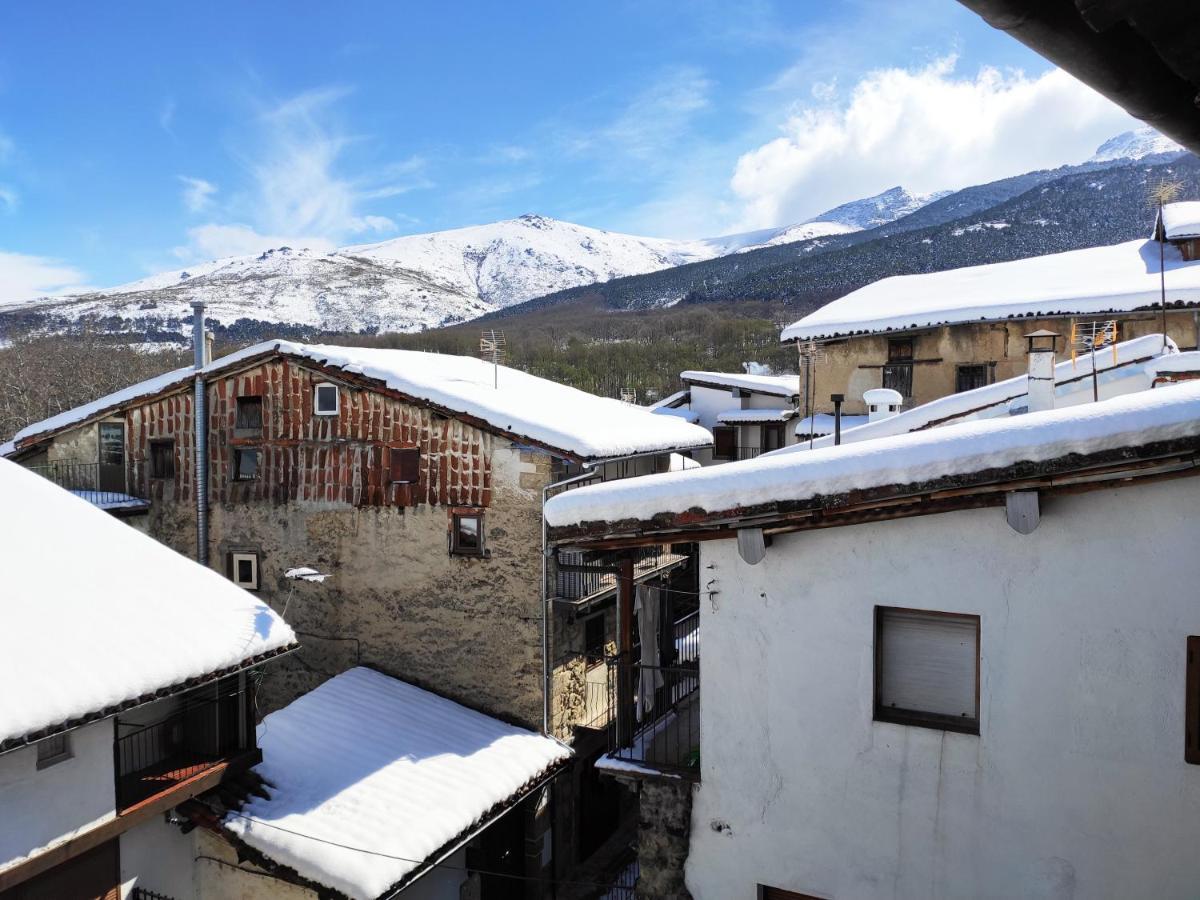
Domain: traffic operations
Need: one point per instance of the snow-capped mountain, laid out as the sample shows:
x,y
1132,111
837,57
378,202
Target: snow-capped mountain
x,y
1140,142
403,284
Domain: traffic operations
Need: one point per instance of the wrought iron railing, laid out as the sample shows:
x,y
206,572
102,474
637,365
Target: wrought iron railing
x,y
624,882
656,716
748,452
84,480
577,585
686,634
141,893
154,757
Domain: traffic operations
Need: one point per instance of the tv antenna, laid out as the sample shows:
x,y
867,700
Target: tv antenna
x,y
492,348
1088,337
811,353
628,395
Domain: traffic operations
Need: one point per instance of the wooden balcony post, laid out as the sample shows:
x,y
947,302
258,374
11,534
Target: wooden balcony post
x,y
625,589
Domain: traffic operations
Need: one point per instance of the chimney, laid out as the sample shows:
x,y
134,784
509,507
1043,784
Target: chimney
x,y
1041,349
882,403
208,347
200,352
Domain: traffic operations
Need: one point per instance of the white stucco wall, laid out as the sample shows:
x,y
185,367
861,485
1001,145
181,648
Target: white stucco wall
x,y
41,808
159,857
708,403
1076,785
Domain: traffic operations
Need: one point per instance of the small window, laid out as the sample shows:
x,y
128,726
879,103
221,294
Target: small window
x,y
245,465
724,442
900,351
53,750
967,378
466,535
249,416
772,436
325,400
243,570
594,639
927,669
162,459
406,464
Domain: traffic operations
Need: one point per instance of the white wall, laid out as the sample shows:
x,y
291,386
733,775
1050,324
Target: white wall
x,y
40,808
708,403
158,857
1076,785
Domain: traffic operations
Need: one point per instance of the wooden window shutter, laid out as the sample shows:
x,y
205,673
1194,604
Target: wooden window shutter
x,y
405,464
1191,752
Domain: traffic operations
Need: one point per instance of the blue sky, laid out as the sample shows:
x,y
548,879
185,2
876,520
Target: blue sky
x,y
145,136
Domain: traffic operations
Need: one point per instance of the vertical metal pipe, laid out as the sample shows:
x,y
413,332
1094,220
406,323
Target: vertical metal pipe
x,y
837,417
200,423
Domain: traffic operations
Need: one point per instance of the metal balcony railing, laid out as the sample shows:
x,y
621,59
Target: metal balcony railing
x,y
578,586
748,452
155,757
84,480
656,716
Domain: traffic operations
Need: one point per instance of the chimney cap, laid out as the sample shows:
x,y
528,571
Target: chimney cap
x,y
1036,341
883,396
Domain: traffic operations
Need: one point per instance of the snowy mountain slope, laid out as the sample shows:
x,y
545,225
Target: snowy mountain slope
x,y
1133,145
404,284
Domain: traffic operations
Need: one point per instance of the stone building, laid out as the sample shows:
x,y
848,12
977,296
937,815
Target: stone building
x,y
927,336
388,501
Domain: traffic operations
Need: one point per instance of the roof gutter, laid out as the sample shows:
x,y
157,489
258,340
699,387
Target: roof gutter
x,y
1109,54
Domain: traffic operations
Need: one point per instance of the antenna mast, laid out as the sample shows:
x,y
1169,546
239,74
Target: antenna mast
x,y
492,348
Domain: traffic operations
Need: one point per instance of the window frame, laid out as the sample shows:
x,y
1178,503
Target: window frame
x,y
456,548
237,556
401,459
917,718
983,368
46,761
240,429
156,446
237,455
725,430
337,399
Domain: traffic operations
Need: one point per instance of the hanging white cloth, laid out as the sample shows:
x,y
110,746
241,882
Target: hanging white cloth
x,y
650,679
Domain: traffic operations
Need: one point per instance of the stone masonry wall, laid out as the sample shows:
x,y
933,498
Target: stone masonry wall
x,y
664,835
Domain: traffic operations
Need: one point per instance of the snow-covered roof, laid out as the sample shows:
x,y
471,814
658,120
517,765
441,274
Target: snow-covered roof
x,y
537,409
775,385
678,412
672,400
823,423
751,416
371,762
1132,420
94,615
1182,219
1070,378
1115,278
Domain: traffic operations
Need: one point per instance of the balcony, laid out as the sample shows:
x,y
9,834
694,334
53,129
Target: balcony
x,y
93,483
201,735
655,720
580,588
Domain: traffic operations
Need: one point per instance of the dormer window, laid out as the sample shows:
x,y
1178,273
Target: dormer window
x,y
325,400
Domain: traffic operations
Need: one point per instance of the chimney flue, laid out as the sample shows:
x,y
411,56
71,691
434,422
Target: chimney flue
x,y
200,437
1042,346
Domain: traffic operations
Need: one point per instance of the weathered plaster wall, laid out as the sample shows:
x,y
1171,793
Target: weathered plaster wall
x,y
157,856
854,365
81,445
219,876
69,797
1076,785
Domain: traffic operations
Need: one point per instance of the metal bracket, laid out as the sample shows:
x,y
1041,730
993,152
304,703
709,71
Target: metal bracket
x,y
1023,511
752,545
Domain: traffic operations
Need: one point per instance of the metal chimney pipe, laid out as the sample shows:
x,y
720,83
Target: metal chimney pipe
x,y
200,423
837,417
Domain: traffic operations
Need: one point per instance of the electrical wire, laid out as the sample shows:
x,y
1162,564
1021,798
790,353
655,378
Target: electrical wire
x,y
418,862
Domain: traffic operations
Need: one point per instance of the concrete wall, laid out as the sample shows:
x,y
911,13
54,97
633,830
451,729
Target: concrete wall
x,y
1076,785
159,857
855,364
47,806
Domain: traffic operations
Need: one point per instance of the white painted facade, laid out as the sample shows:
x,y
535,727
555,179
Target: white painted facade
x,y
708,403
1076,785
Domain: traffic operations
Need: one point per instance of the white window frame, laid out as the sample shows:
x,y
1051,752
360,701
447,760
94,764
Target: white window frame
x,y
44,759
337,399
237,556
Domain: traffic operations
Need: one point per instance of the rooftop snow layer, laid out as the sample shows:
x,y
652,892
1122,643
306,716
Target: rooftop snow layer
x,y
372,762
96,641
1127,421
545,411
1119,277
775,385
823,423
1182,219
750,416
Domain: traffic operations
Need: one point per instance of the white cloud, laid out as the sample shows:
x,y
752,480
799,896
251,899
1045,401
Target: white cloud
x,y
166,116
301,192
197,193
218,241
24,277
927,129
8,199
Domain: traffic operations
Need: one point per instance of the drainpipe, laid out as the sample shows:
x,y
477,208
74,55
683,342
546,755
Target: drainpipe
x,y
200,423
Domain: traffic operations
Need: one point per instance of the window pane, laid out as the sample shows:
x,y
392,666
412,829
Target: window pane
x,y
249,413
245,571
724,442
326,398
468,532
971,377
928,662
112,444
900,350
246,465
